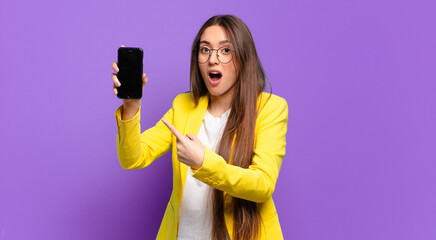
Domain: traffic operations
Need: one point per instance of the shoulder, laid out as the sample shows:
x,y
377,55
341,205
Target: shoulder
x,y
184,101
268,103
272,110
183,97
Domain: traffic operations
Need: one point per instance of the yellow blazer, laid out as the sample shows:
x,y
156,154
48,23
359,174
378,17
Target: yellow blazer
x,y
256,183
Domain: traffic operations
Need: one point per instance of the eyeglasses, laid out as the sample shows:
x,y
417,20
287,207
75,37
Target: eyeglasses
x,y
224,54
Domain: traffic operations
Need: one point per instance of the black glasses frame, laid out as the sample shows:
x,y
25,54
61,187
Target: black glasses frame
x,y
217,55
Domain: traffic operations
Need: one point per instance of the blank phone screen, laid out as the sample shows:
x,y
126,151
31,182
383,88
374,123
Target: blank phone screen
x,y
130,74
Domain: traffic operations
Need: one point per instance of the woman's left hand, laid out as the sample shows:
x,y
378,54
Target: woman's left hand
x,y
190,150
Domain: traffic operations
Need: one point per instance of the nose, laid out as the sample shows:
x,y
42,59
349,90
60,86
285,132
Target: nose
x,y
213,57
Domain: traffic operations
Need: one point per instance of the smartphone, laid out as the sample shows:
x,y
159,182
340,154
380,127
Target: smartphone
x,y
130,74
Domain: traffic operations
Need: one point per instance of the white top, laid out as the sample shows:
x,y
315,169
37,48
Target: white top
x,y
195,218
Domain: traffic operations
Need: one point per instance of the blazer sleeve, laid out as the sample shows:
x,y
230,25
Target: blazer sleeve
x,y
136,150
257,182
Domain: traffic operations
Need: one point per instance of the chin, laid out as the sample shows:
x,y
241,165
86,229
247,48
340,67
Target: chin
x,y
218,92
215,93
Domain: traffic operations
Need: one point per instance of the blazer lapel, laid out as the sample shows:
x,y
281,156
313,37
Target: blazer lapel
x,y
193,124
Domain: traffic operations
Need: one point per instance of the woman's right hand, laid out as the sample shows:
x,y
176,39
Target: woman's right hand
x,y
130,106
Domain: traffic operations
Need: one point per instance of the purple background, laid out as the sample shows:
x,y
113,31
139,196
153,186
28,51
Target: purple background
x,y
359,78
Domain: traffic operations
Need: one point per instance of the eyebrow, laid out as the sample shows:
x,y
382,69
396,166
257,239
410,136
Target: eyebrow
x,y
221,42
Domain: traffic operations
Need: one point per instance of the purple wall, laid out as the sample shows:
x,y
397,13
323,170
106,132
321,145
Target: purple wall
x,y
359,78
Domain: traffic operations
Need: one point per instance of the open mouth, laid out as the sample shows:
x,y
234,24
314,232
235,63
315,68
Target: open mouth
x,y
215,76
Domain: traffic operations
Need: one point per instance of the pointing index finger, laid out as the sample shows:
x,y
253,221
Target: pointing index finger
x,y
174,130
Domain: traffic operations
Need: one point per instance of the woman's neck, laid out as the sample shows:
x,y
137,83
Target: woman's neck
x,y
219,104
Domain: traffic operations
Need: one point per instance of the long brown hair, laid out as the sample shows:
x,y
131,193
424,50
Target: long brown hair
x,y
237,143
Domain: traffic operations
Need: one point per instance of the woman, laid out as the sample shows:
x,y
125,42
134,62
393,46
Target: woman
x,y
227,137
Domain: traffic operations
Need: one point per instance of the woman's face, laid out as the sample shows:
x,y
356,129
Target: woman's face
x,y
219,77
